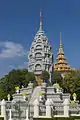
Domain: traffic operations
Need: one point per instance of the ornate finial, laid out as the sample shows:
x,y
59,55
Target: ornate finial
x,y
61,48
41,20
60,40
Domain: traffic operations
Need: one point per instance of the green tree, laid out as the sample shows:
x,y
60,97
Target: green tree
x,y
57,78
45,76
29,77
14,78
71,82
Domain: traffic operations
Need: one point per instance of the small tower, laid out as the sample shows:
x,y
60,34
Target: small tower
x,y
61,64
40,55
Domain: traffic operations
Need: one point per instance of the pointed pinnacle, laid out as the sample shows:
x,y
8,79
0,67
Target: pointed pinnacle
x,y
60,48
40,20
60,41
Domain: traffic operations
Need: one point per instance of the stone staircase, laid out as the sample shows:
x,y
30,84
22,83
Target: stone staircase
x,y
35,94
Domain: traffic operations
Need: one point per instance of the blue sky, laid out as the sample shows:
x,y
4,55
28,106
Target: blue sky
x,y
19,22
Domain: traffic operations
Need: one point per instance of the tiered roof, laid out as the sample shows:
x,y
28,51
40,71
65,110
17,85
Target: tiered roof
x,y
61,63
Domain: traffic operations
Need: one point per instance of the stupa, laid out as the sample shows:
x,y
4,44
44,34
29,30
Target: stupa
x,y
40,55
61,64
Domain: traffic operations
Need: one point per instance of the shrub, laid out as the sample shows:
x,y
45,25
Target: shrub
x,y
60,118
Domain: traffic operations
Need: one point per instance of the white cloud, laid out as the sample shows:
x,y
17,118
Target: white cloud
x,y
11,49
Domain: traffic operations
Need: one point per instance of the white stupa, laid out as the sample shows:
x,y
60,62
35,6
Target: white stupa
x,y
40,55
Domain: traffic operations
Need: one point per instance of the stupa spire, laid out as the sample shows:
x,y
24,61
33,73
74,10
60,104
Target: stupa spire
x,y
40,20
61,64
60,40
60,48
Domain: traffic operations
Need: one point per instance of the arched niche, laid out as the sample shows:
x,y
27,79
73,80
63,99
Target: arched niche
x,y
37,67
38,54
38,46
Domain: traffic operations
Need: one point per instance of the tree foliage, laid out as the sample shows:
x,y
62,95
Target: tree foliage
x,y
57,78
71,82
45,76
14,78
19,77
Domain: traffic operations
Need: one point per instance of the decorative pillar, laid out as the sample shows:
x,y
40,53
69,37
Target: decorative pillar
x,y
57,87
8,96
30,85
10,114
24,95
36,108
66,107
40,94
40,98
17,89
48,108
27,114
74,97
57,90
50,73
3,109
